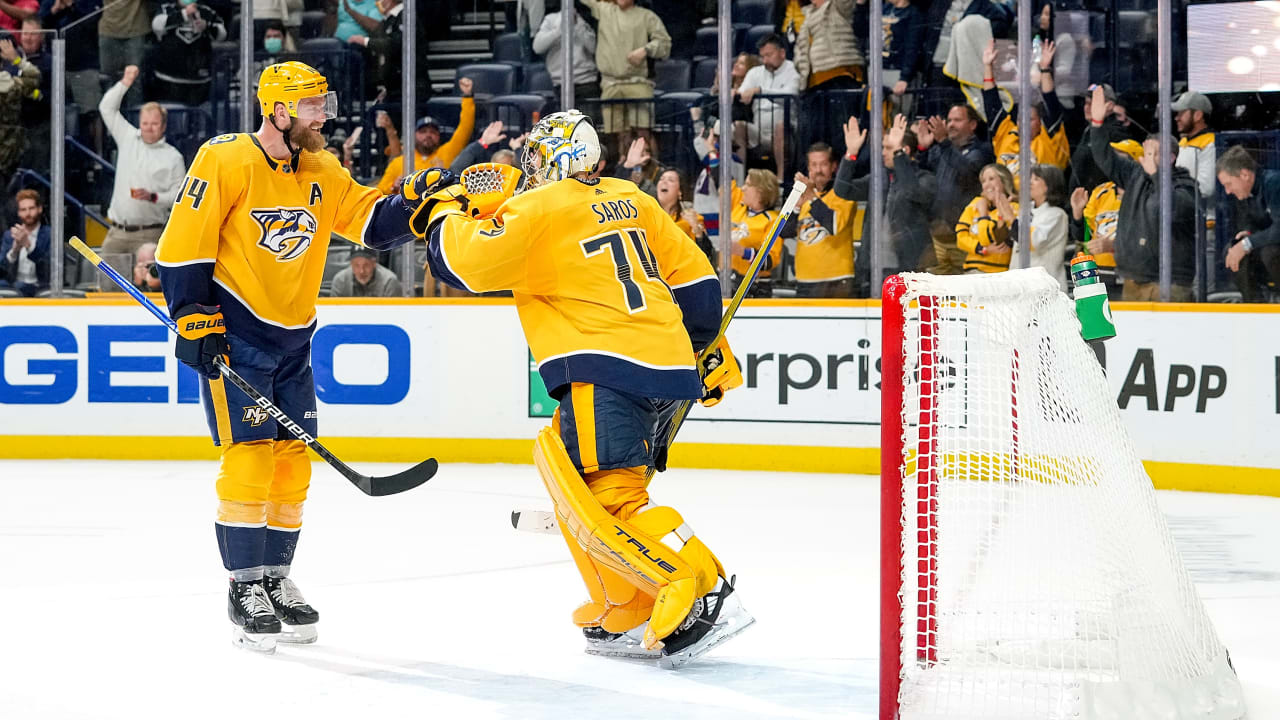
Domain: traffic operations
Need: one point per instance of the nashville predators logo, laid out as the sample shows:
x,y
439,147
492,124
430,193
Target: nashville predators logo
x,y
255,416
287,232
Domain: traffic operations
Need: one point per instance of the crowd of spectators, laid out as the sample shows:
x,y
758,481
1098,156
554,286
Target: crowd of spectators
x,y
799,112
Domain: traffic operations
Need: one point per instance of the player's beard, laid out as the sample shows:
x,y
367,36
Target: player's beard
x,y
304,138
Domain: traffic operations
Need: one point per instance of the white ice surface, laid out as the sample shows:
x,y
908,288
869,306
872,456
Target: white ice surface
x,y
113,599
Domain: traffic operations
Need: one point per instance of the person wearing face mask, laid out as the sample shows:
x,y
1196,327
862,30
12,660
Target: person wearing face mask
x,y
148,171
273,38
186,31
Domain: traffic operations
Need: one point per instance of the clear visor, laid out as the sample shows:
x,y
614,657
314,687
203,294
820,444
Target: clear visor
x,y
318,107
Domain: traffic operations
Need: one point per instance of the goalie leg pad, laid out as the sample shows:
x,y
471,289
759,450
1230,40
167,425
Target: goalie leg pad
x,y
629,548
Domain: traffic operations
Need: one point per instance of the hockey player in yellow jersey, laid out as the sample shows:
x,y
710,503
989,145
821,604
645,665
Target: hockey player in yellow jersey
x,y
614,299
241,261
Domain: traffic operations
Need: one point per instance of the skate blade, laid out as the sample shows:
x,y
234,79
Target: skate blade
x,y
254,642
724,630
626,652
298,634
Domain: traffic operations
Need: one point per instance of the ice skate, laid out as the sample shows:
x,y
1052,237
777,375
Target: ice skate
x,y
620,645
256,625
715,617
297,617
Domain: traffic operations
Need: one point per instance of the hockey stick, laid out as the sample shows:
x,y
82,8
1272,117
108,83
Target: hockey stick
x,y
369,485
543,521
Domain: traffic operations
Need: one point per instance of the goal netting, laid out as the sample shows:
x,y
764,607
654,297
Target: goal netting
x,y
1027,572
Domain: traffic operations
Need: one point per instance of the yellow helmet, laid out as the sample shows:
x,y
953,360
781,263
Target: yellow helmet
x,y
289,82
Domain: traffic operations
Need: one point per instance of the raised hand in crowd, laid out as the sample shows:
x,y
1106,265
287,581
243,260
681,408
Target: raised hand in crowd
x,y
1046,54
493,133
7,51
465,86
517,142
1079,198
130,74
638,154
989,57
349,145
893,141
938,128
1098,105
854,136
810,192
695,113
924,133
1007,215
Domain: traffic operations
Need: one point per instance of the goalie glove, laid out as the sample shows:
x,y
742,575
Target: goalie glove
x,y
720,374
202,337
488,185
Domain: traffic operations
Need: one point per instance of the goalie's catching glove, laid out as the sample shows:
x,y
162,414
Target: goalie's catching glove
x,y
488,186
202,337
720,373
432,193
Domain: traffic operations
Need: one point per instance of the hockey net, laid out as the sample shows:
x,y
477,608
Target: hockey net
x,y
1026,570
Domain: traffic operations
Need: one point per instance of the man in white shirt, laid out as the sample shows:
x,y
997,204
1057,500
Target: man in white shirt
x,y
24,248
149,171
546,42
776,75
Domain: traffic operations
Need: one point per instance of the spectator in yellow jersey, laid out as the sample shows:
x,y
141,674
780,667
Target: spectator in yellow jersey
x,y
670,194
1048,137
752,217
983,229
428,152
824,226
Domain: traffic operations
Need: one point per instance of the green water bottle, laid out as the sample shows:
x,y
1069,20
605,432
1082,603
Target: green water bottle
x,y
1092,308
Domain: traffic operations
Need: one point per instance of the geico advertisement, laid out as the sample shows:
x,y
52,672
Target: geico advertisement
x,y
380,371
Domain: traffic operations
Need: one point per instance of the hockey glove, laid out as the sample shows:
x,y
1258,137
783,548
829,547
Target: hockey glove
x,y
202,336
422,184
488,186
720,374
452,200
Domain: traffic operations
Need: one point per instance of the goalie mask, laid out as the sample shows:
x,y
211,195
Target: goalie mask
x,y
559,146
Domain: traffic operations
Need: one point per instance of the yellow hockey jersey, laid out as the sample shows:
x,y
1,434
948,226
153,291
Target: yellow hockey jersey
x,y
824,239
1048,149
1101,218
750,230
251,234
609,290
983,239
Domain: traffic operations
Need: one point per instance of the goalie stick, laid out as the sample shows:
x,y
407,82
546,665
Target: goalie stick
x,y
545,521
368,484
